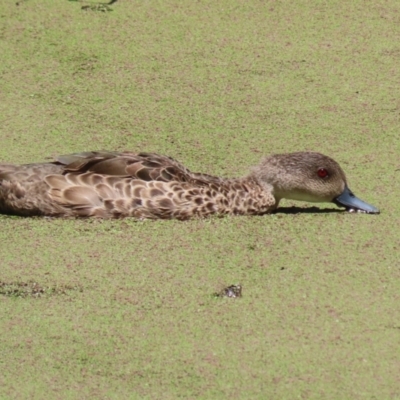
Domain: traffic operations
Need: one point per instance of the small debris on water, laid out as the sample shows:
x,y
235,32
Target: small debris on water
x,y
230,291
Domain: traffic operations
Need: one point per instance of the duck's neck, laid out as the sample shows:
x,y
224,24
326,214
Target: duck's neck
x,y
240,196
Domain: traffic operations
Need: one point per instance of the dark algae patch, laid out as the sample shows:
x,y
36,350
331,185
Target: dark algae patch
x,y
33,289
96,5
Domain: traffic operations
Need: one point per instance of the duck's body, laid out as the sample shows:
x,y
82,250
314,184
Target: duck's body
x,y
151,186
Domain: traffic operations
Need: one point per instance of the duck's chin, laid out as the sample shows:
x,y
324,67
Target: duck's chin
x,y
305,197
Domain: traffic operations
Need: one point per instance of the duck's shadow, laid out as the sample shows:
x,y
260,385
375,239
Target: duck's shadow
x,y
308,210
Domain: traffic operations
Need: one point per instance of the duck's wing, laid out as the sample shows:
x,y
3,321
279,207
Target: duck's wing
x,y
112,184
143,166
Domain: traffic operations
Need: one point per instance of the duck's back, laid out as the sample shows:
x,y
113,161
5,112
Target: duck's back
x,y
107,184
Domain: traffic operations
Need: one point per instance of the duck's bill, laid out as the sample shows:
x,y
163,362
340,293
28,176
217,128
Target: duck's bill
x,y
353,204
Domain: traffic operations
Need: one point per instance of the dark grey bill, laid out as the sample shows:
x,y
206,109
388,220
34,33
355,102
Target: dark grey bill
x,y
354,204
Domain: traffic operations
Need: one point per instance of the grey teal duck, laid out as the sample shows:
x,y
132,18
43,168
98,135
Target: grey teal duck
x,y
151,186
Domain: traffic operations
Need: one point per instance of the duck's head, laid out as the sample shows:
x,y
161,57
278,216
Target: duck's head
x,y
308,176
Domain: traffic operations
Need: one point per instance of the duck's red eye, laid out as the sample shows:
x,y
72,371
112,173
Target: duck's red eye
x,y
322,173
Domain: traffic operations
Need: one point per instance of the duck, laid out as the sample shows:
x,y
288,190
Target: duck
x,y
107,184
